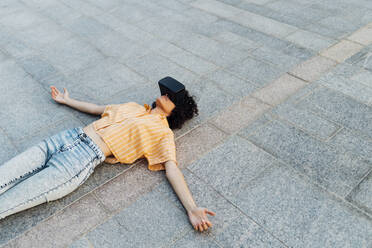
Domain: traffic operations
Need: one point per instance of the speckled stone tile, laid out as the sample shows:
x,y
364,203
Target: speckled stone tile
x,y
277,91
358,91
80,243
151,221
243,232
194,144
192,239
230,166
257,72
340,108
335,170
276,57
307,121
362,36
310,40
362,194
119,192
155,67
204,196
8,149
313,68
353,142
300,214
239,114
231,84
65,226
342,50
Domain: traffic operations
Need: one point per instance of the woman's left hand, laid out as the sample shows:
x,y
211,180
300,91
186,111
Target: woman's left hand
x,y
198,218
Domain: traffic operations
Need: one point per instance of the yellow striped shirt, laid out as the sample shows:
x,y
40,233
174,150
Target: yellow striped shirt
x,y
132,132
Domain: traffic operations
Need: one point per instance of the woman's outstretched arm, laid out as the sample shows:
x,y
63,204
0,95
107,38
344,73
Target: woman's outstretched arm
x,y
197,215
86,107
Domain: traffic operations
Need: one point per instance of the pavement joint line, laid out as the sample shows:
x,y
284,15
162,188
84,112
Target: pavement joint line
x,y
356,187
234,205
308,180
183,233
345,95
325,141
337,131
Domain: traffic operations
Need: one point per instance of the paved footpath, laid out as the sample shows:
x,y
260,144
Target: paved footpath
x,y
281,150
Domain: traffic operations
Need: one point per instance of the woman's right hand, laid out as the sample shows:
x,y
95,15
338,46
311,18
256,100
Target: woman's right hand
x,y
58,96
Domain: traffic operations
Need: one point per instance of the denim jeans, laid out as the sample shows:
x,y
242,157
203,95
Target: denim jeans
x,y
53,168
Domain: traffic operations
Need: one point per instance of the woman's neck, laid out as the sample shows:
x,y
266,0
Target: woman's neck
x,y
157,111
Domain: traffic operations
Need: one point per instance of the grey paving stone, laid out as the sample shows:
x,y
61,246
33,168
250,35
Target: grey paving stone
x,y
332,168
243,232
313,68
87,27
130,31
354,89
289,18
325,31
230,166
236,40
275,57
361,195
277,91
343,70
306,120
39,68
297,51
109,234
118,46
39,135
8,7
257,72
360,58
264,24
131,13
60,13
204,196
71,55
210,99
105,4
13,46
21,19
31,110
105,79
364,77
338,23
154,67
254,126
65,226
196,143
8,149
352,142
341,109
39,36
80,243
232,84
219,53
191,239
149,222
184,58
83,7
310,40
302,215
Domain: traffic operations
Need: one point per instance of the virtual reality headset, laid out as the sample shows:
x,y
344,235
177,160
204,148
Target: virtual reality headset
x,y
174,89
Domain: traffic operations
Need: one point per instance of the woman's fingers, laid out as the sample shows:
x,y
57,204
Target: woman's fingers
x,y
201,227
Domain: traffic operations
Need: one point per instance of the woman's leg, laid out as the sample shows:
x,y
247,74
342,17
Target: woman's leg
x,y
30,161
64,172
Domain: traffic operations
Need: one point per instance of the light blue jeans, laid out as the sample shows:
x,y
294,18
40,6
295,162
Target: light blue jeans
x,y
47,171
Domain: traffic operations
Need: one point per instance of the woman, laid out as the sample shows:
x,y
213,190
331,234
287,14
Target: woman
x,y
61,163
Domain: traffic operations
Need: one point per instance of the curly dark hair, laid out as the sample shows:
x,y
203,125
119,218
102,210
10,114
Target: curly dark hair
x,y
182,112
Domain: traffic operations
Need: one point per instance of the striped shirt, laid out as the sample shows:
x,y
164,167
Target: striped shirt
x,y
132,132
